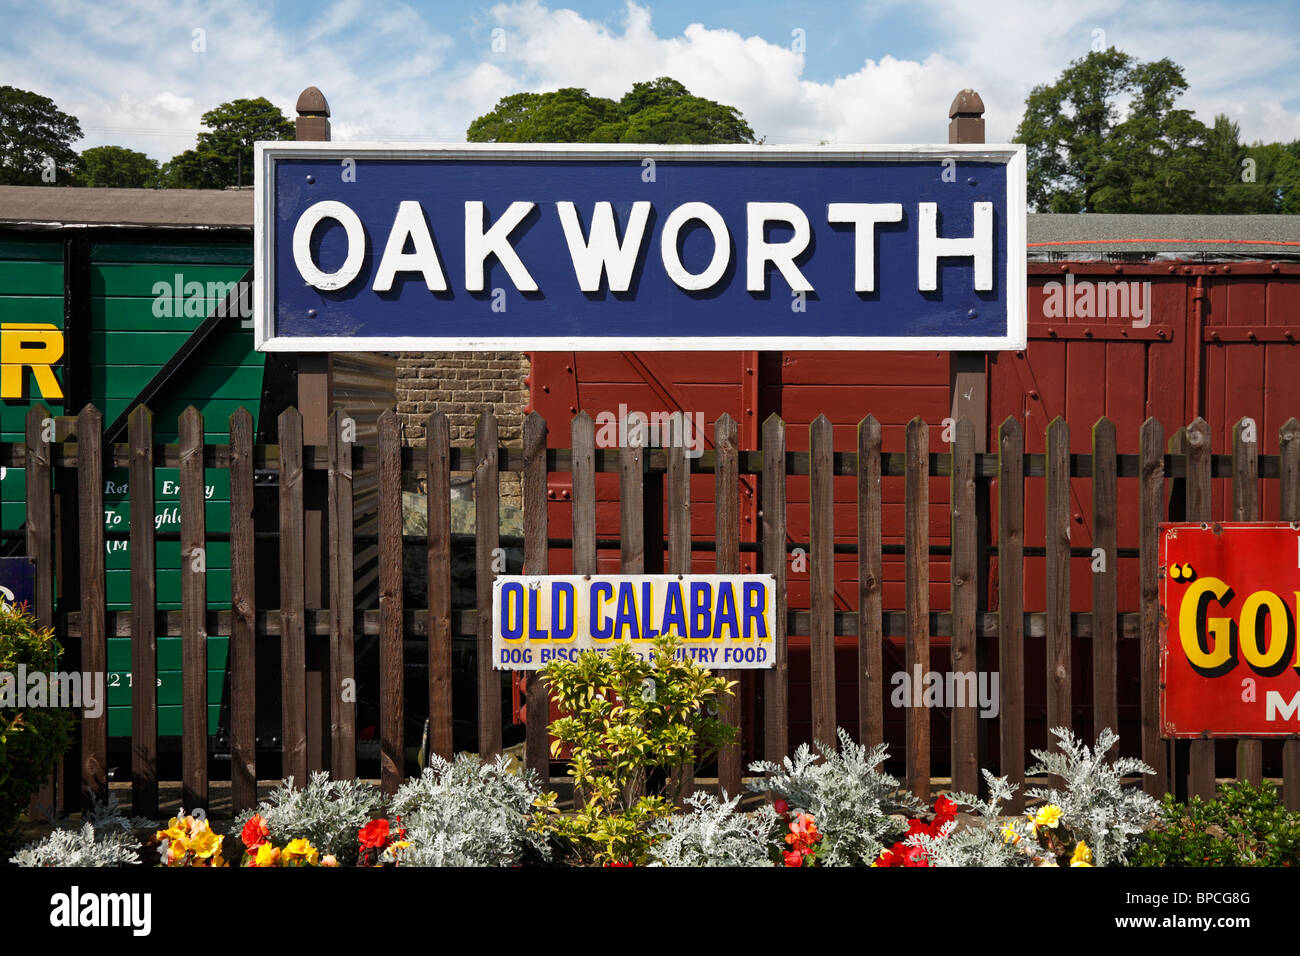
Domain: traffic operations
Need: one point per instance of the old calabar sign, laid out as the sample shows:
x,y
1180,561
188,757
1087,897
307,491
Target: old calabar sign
x,y
364,247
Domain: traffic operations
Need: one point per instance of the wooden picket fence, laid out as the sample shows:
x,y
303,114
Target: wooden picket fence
x,y
78,447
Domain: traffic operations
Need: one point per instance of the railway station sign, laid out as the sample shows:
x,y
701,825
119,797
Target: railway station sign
x,y
1229,605
564,247
724,621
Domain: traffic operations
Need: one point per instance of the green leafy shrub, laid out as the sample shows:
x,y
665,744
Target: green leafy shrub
x,y
631,726
32,739
1245,825
326,812
984,841
852,802
468,813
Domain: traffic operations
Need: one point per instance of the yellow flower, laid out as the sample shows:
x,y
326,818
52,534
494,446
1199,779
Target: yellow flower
x,y
205,843
1049,816
1009,834
267,855
176,830
176,850
1082,855
301,852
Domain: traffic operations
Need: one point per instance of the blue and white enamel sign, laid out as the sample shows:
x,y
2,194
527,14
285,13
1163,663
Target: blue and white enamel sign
x,y
639,247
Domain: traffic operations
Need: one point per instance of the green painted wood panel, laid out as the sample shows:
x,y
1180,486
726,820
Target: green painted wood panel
x,y
170,687
118,584
130,349
31,278
169,653
203,384
32,251
46,309
169,721
141,279
216,254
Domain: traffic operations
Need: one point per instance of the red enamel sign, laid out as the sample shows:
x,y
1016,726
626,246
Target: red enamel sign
x,y
1229,603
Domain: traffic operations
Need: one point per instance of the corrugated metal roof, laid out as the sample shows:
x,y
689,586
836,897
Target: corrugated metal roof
x,y
1089,235
53,207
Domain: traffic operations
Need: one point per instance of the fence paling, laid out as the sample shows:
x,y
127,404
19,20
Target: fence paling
x,y
1245,507
487,528
144,660
536,561
293,598
1200,766
776,679
917,579
391,670
727,496
342,684
871,673
965,716
1288,439
1105,647
1152,508
1011,597
194,609
821,565
94,644
438,548
678,488
40,547
1058,580
243,613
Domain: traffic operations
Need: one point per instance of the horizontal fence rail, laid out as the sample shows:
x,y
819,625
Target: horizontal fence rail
x,y
65,466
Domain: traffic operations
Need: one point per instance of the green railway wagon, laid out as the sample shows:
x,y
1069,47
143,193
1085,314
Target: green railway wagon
x,y
119,298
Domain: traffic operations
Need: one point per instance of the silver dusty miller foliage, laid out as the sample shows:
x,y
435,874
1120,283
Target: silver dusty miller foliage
x,y
1094,802
982,842
468,813
103,839
327,812
848,797
714,834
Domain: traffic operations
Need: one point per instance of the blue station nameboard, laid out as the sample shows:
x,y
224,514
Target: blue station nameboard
x,y
563,247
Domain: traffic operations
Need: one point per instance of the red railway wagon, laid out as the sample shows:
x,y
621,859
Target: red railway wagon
x,y
1129,317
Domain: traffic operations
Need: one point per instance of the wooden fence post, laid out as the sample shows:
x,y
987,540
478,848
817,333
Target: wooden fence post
x,y
536,561
94,641
1105,608
1058,580
342,685
1011,605
392,688
487,503
1245,507
1197,485
917,578
871,666
194,612
243,616
144,646
776,694
293,597
39,480
726,483
821,556
1152,468
965,562
1289,502
678,488
438,544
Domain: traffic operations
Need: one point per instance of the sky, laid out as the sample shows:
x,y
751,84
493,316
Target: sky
x,y
140,74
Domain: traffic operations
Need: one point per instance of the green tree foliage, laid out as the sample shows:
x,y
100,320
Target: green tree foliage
x,y
34,131
223,155
658,111
1108,137
116,166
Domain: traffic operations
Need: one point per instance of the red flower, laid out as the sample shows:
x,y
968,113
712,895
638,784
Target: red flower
x,y
943,807
793,858
255,833
781,807
374,834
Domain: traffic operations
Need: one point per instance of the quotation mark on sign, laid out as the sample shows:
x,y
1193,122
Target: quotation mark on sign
x,y
1182,572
